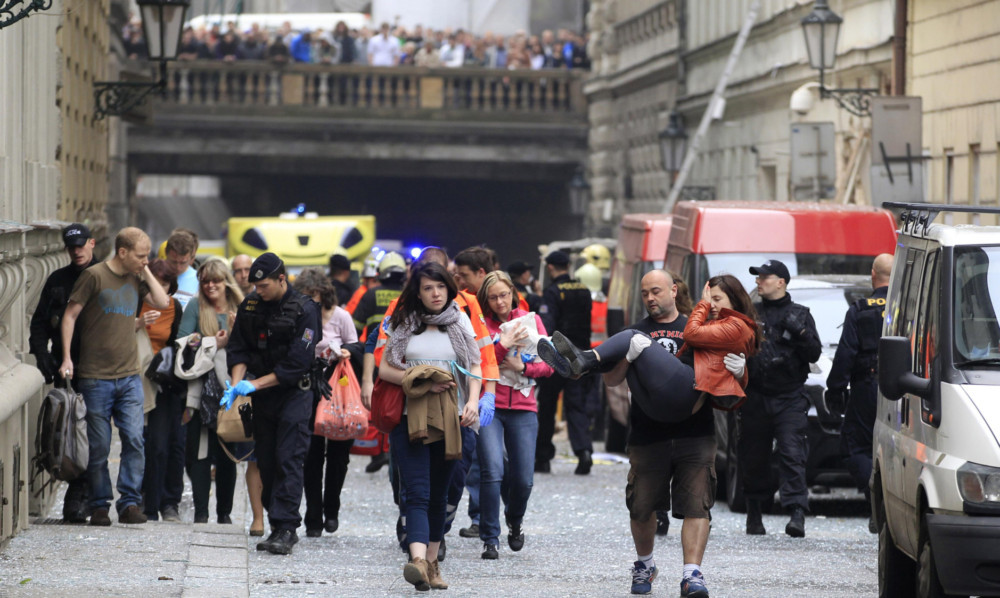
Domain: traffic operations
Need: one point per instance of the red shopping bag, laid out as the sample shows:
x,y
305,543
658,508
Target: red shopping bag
x,y
371,444
342,416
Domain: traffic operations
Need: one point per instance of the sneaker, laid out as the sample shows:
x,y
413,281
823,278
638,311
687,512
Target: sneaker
x,y
796,527
331,525
469,532
515,537
491,552
377,462
266,544
642,578
550,355
314,532
100,517
694,586
415,572
171,514
584,464
283,542
131,514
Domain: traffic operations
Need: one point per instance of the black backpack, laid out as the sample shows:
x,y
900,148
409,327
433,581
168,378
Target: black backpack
x,y
61,446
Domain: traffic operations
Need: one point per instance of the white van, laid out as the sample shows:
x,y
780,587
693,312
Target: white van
x,y
936,470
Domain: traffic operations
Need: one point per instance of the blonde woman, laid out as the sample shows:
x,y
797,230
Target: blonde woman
x,y
211,313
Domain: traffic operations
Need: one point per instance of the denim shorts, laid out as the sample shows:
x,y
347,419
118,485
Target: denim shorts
x,y
677,475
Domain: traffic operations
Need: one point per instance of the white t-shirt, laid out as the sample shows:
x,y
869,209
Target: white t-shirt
x,y
383,50
187,286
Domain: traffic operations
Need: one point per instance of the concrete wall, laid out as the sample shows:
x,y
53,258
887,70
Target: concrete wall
x,y
953,62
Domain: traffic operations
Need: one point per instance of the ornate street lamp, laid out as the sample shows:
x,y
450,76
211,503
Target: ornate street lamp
x,y
579,192
673,143
822,28
12,11
162,25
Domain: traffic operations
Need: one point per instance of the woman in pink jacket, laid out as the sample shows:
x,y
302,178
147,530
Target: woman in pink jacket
x,y
515,423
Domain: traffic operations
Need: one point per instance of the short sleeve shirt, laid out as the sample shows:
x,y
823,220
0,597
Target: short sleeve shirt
x,y
106,324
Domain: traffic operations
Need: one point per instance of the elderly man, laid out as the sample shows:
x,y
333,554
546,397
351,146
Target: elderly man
x,y
241,272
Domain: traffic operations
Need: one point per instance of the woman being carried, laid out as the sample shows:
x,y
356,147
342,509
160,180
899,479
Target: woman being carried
x,y
722,330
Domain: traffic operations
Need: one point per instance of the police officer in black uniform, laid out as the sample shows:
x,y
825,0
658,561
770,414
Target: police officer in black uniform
x,y
565,307
856,363
273,342
45,327
777,401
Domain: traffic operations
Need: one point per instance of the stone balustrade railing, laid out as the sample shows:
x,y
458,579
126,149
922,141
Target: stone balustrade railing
x,y
549,95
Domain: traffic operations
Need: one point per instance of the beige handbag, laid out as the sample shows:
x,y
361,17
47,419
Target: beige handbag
x,y
229,426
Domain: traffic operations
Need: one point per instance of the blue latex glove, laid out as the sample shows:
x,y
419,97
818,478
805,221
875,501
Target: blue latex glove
x,y
242,388
487,406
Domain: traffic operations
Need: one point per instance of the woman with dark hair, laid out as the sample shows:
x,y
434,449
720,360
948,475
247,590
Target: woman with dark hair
x,y
323,491
163,481
429,335
724,331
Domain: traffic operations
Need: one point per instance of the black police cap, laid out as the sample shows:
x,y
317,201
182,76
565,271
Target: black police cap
x,y
264,266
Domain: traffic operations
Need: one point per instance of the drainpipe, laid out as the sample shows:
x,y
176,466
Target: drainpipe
x,y
899,50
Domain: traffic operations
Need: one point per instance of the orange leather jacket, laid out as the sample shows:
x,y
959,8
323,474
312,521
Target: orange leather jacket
x,y
711,340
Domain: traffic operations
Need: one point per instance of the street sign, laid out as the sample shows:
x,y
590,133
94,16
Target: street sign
x,y
814,164
897,169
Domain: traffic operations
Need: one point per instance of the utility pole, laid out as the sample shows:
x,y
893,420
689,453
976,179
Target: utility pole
x,y
706,119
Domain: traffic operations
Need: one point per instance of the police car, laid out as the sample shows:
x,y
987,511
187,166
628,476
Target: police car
x,y
827,297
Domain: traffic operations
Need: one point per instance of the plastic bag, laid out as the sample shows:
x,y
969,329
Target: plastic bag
x,y
342,416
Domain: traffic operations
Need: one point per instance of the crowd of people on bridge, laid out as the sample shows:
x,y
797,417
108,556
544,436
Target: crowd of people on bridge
x,y
480,357
385,46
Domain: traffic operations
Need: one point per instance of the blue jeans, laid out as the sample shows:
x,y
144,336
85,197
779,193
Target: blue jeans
x,y
121,399
424,475
517,430
464,476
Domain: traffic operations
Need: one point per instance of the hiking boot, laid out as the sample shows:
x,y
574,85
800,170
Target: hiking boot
x,y
469,532
585,463
415,572
515,537
377,462
694,586
442,550
314,532
755,522
434,575
100,517
225,519
132,514
266,544
332,525
796,527
491,552
171,514
662,523
283,542
642,578
543,467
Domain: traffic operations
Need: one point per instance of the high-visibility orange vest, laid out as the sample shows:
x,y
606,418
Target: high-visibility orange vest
x,y
598,322
470,306
355,299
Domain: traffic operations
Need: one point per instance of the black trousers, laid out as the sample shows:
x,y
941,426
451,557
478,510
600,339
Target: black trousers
x,y
765,420
163,480
200,471
281,433
579,398
323,491
859,425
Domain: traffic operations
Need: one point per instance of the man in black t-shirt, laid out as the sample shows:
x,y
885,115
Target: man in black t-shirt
x,y
667,459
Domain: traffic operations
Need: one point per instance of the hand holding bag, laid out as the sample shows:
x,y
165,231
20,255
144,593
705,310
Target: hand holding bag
x,y
342,416
229,426
387,405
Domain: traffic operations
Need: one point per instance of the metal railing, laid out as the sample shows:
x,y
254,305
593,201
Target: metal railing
x,y
402,91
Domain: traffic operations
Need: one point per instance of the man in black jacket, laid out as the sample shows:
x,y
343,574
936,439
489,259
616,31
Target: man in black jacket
x,y
45,327
777,401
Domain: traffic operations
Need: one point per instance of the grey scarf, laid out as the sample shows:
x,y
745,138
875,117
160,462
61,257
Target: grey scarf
x,y
464,345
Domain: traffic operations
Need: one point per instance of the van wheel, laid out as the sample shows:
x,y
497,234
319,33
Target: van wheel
x,y
895,569
928,584
734,485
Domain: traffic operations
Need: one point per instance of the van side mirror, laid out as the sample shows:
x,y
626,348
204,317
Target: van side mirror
x,y
616,320
895,377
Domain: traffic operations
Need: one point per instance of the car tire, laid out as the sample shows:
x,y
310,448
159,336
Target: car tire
x,y
928,583
896,572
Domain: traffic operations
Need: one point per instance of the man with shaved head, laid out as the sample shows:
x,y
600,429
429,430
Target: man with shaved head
x,y
856,364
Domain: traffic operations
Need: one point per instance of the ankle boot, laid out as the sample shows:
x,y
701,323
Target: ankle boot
x,y
755,523
434,576
796,527
580,361
415,572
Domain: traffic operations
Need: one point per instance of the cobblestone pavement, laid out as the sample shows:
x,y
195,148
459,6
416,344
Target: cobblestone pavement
x,y
578,544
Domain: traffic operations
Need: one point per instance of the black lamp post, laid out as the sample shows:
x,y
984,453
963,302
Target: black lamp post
x,y
162,26
822,29
673,144
579,192
12,11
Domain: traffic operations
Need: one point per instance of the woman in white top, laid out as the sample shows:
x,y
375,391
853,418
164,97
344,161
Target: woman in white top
x,y
323,493
428,328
